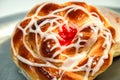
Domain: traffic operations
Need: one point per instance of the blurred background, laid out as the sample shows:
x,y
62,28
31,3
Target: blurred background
x,y
8,7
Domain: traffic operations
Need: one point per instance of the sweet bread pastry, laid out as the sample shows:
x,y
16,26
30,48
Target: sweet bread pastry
x,y
114,19
69,41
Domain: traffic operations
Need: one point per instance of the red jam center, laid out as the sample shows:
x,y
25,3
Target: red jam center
x,y
67,35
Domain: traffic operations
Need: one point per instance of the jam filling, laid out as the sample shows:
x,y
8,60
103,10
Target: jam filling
x,y
67,35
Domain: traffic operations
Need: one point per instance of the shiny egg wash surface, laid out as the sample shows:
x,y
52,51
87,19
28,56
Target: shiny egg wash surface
x,y
55,41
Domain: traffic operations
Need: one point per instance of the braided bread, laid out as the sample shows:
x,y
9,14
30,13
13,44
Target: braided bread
x,y
69,41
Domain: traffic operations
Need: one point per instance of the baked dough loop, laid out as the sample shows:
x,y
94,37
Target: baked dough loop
x,y
69,41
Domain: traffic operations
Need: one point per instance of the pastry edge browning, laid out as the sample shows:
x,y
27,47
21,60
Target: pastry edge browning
x,y
114,19
82,77
30,75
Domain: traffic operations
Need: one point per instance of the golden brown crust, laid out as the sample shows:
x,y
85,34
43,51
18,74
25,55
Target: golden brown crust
x,y
114,19
78,17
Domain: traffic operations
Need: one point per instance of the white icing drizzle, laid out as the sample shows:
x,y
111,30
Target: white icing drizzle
x,y
70,63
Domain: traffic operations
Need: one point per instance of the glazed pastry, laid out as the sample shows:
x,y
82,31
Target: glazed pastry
x,y
70,41
114,19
